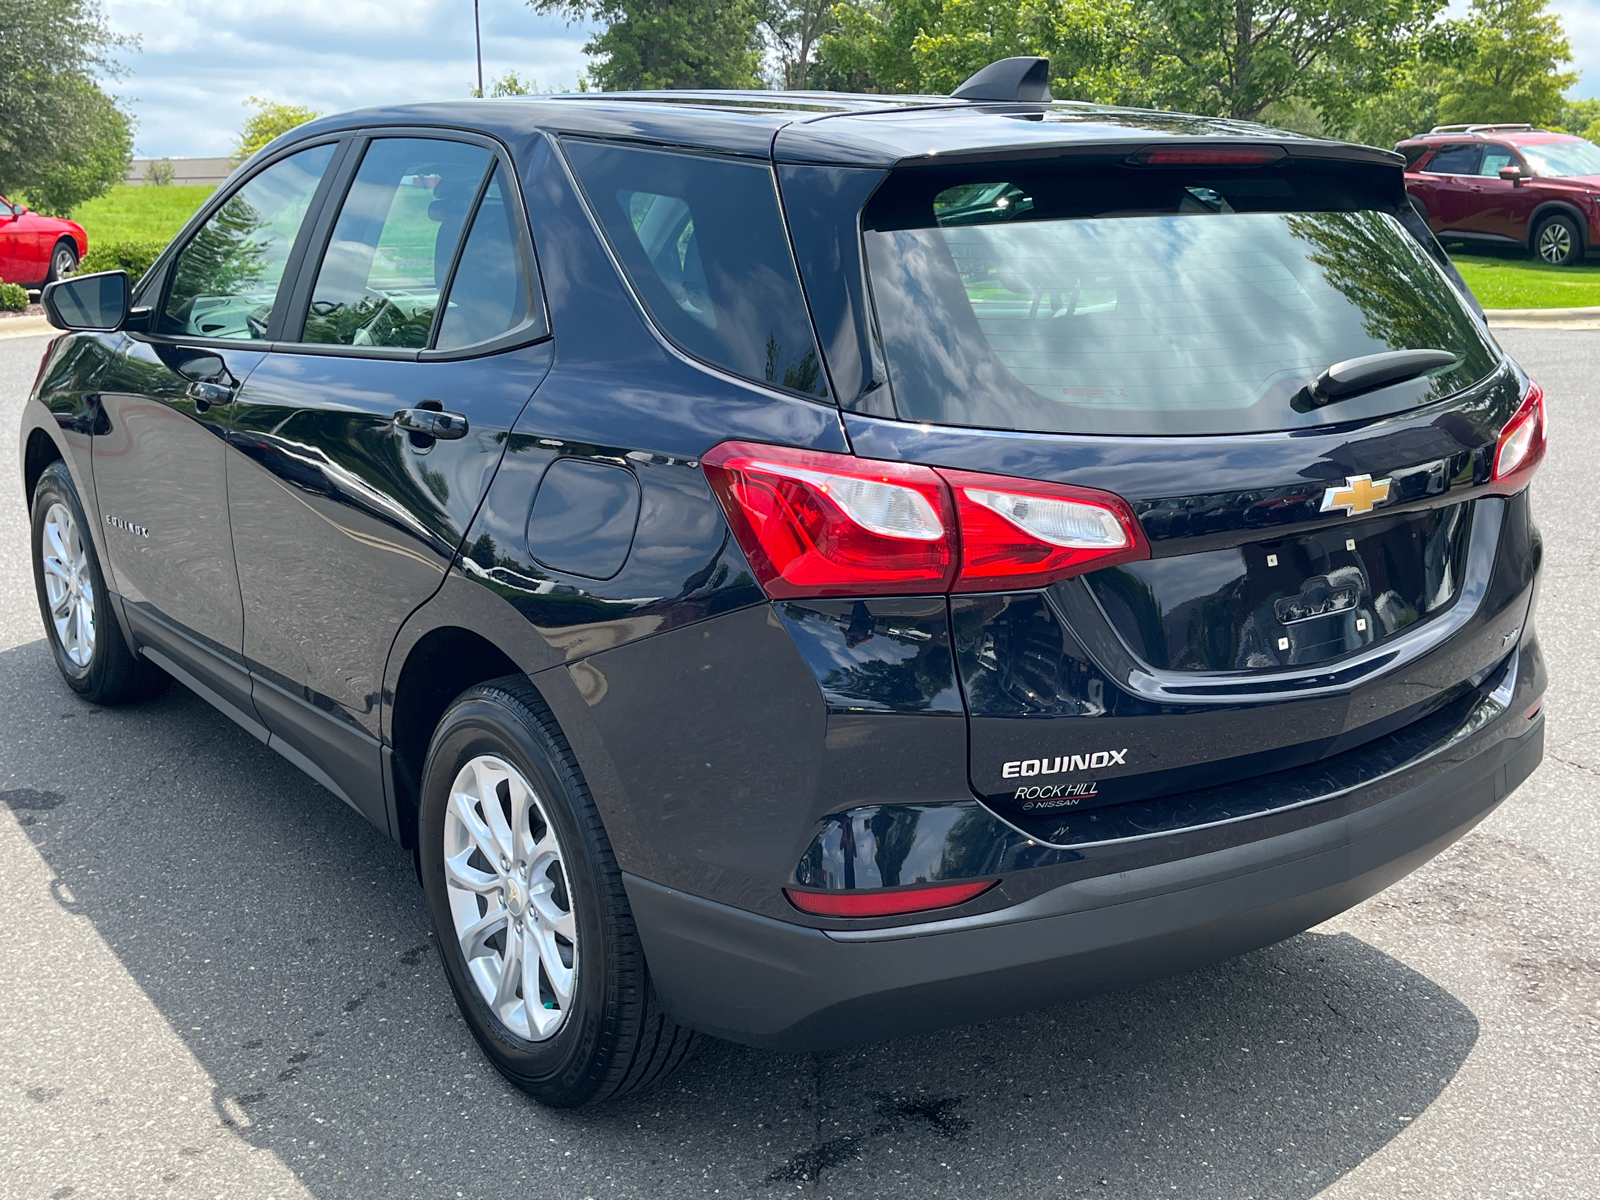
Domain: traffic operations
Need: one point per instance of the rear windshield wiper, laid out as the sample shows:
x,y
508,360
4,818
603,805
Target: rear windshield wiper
x,y
1354,376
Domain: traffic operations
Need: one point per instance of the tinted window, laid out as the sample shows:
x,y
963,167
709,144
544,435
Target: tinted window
x,y
1495,157
226,279
1173,313
379,281
1454,160
490,292
704,244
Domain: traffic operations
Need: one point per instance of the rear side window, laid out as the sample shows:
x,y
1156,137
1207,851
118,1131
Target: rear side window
x,y
704,245
1454,160
489,292
395,239
1143,302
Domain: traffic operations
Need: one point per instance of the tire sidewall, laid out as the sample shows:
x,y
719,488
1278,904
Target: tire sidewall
x,y
1576,253
477,725
56,486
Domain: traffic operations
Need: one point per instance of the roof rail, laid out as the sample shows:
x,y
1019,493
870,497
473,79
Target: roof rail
x,y
1520,128
1025,79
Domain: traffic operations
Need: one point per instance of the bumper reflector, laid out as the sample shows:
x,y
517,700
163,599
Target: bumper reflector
x,y
886,904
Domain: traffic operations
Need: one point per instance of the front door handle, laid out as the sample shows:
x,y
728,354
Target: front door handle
x,y
206,394
425,422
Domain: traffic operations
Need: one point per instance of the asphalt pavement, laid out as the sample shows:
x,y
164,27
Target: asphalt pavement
x,y
216,981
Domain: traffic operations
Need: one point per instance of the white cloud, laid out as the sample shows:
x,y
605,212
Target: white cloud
x,y
200,59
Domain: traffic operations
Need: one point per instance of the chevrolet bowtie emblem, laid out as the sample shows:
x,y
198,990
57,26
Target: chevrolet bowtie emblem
x,y
1357,496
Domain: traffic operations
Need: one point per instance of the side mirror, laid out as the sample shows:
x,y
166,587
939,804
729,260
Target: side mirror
x,y
93,303
1512,175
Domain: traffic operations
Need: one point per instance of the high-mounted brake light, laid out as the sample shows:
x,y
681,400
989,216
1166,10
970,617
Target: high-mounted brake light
x,y
1522,444
886,904
1206,156
820,524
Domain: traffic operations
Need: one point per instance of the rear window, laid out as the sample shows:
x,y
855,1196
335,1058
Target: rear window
x,y
703,242
1140,301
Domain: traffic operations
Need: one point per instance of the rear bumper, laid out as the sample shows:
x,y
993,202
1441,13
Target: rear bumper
x,y
768,983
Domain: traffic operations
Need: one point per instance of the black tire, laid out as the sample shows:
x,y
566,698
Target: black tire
x,y
63,260
1557,241
112,672
613,1038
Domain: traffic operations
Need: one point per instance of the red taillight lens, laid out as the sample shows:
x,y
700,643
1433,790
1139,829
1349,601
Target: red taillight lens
x,y
1522,444
1016,533
819,524
886,904
816,524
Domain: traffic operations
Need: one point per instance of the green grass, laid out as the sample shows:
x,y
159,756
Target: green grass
x,y
139,214
1525,282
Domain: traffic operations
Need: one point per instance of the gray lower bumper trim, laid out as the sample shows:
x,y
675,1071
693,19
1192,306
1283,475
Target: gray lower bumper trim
x,y
786,987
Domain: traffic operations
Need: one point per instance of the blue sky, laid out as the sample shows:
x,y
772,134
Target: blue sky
x,y
202,58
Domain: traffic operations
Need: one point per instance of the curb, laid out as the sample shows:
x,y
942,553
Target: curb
x,y
15,327
1543,318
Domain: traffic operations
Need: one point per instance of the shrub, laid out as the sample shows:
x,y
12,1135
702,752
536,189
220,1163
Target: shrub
x,y
133,257
159,173
13,297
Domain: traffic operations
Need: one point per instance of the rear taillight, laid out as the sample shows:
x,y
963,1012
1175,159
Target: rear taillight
x,y
1017,534
815,524
887,904
820,524
1522,444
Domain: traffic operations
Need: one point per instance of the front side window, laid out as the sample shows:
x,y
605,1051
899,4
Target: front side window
x,y
393,244
1454,160
1564,159
704,245
226,279
1141,302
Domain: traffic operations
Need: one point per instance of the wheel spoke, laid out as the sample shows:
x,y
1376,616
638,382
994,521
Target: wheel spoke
x,y
557,972
54,566
488,781
464,810
510,970
459,874
474,937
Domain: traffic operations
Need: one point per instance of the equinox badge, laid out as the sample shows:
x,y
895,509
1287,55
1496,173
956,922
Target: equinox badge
x,y
1357,496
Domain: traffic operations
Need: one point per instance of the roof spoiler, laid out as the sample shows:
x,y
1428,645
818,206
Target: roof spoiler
x,y
1025,79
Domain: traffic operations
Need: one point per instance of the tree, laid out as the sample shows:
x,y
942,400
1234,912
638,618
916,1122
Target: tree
x,y
62,139
792,30
651,44
270,120
1515,71
513,84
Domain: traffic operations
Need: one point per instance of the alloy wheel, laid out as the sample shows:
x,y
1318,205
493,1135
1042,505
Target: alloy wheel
x,y
68,584
1555,243
65,263
509,898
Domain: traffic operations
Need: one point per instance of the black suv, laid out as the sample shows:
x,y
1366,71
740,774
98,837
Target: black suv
x,y
810,568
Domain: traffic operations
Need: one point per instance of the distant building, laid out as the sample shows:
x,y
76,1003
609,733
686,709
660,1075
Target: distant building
x,y
186,172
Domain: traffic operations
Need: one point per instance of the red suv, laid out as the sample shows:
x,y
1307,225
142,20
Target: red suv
x,y
1507,184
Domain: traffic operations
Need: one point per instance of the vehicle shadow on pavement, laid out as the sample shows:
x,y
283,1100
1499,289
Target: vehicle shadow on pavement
x,y
285,941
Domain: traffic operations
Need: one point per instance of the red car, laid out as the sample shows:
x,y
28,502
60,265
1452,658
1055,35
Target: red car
x,y
1508,185
36,250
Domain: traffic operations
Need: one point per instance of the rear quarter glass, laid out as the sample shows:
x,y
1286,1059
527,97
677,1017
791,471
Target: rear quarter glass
x,y
1128,300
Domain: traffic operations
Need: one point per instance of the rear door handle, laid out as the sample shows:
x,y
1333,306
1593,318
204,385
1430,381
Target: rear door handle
x,y
427,423
206,394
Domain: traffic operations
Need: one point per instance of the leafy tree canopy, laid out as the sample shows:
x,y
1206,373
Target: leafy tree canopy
x,y
649,44
269,120
62,139
1514,73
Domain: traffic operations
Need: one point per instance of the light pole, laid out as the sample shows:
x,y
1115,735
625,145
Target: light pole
x,y
477,36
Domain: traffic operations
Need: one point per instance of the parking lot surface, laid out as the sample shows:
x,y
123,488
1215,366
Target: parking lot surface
x,y
217,981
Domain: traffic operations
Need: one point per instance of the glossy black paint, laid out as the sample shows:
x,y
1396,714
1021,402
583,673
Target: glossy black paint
x,y
734,745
